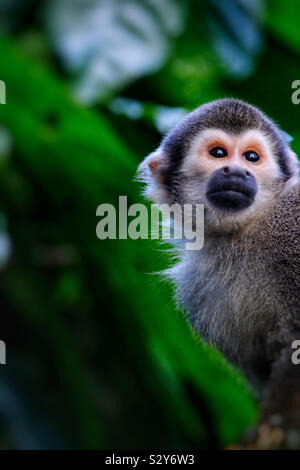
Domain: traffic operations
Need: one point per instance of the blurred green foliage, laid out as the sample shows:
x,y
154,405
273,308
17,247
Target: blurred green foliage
x,y
97,354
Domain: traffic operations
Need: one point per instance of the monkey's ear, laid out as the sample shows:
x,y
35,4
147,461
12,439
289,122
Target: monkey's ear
x,y
293,165
152,167
287,137
152,171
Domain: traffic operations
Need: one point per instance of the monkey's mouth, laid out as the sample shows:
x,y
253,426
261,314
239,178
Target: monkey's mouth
x,y
231,196
231,187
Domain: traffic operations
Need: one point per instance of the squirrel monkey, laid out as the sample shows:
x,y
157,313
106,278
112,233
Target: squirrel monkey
x,y
241,291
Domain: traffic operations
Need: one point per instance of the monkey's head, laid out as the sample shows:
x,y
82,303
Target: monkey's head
x,y
227,155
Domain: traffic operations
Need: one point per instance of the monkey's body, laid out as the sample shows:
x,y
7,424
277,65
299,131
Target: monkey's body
x,y
241,291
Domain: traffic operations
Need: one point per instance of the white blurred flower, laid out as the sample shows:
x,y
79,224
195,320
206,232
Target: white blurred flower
x,y
133,109
108,43
165,118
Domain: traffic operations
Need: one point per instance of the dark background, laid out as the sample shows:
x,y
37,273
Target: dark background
x,y
97,354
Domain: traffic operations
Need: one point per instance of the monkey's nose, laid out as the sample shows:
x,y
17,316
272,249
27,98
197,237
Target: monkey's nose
x,y
235,171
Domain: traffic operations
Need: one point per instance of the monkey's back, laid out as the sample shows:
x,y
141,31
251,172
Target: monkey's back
x,y
280,235
279,238
272,262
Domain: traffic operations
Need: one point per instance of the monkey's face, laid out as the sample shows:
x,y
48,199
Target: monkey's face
x,y
233,175
226,155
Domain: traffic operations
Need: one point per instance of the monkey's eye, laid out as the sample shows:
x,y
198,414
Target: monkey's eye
x,y
218,152
251,156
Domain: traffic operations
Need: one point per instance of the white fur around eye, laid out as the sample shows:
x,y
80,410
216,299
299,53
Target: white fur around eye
x,y
198,159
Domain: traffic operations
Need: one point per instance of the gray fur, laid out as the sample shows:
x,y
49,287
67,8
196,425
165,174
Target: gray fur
x,y
241,292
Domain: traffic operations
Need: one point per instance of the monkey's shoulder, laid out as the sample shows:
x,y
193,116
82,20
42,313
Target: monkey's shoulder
x,y
279,231
279,240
